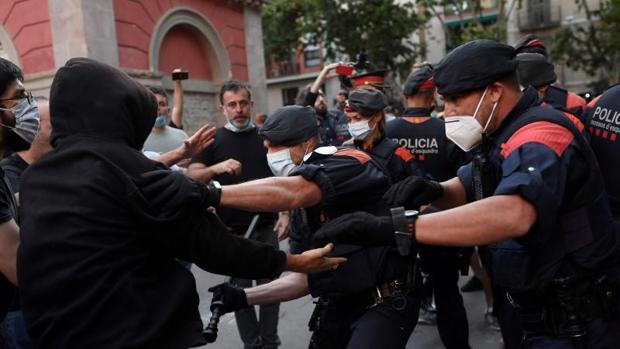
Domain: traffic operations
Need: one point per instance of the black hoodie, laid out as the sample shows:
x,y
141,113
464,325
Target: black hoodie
x,y
96,265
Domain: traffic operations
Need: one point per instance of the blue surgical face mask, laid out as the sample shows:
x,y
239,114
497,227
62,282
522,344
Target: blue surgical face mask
x,y
27,120
249,126
238,129
161,121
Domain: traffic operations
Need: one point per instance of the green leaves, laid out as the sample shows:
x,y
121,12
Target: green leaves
x,y
593,46
382,28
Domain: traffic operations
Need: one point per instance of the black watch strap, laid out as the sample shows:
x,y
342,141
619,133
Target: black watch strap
x,y
401,220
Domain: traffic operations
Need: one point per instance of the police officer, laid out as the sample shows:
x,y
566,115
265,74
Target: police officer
x,y
535,70
364,111
425,138
555,247
553,95
603,121
367,302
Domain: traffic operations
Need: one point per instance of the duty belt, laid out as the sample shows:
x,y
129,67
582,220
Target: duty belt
x,y
566,316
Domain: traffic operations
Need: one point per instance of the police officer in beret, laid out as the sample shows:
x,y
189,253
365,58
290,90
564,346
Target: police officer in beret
x,y
425,139
535,70
553,95
554,245
364,111
367,302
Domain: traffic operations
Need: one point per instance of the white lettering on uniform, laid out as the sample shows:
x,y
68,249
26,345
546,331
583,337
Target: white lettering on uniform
x,y
608,115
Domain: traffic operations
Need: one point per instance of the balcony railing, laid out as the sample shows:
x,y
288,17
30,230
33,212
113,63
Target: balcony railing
x,y
539,16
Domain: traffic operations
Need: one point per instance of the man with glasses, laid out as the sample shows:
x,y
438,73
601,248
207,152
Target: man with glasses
x,y
19,118
237,156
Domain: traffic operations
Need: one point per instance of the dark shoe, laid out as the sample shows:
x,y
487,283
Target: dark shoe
x,y
473,284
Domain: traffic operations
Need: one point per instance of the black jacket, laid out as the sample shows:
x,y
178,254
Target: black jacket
x,y
96,265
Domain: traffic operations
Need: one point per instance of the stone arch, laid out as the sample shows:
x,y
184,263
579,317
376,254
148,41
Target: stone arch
x,y
215,50
7,48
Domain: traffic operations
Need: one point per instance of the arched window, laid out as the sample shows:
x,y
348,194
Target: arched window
x,y
185,38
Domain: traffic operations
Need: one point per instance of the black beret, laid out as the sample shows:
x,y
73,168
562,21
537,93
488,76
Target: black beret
x,y
367,101
416,79
290,125
473,66
534,69
531,44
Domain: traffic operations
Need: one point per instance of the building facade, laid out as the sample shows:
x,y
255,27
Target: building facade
x,y
215,40
540,17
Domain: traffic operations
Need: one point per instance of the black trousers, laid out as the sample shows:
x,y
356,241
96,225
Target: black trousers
x,y
443,265
349,325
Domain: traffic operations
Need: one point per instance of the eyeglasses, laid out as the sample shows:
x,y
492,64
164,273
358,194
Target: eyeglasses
x,y
20,94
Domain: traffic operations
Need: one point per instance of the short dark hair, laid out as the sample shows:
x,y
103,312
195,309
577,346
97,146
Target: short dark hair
x,y
9,72
512,81
234,85
158,91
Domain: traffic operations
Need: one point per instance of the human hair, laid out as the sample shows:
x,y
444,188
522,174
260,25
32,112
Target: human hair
x,y
234,86
301,95
9,72
159,91
511,81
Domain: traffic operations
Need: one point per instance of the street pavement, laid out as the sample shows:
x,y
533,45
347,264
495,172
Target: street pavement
x,y
294,315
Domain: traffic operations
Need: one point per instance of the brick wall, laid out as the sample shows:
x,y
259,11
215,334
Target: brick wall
x,y
136,19
28,24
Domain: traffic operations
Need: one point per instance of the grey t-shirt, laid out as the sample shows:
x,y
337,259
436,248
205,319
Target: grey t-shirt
x,y
161,142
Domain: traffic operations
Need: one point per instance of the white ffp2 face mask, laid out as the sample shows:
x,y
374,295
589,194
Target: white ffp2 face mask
x,y
465,130
360,130
280,163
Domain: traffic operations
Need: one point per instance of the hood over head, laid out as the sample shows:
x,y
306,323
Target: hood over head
x,y
89,98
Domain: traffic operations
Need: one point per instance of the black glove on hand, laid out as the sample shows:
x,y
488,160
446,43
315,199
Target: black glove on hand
x,y
413,192
169,190
359,228
229,298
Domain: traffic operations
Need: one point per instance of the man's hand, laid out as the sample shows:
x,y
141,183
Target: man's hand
x,y
313,261
230,166
358,228
282,226
413,192
199,141
228,297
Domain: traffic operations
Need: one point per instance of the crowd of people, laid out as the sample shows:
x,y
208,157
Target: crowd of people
x,y
106,202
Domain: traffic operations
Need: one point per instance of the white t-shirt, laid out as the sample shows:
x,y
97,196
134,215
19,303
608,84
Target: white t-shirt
x,y
165,141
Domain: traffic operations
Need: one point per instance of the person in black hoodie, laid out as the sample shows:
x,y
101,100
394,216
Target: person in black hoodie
x,y
96,264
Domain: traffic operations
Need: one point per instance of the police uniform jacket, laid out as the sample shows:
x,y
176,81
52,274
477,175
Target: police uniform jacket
x,y
552,168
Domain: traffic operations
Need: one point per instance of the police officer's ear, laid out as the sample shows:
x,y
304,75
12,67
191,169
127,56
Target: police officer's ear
x,y
495,91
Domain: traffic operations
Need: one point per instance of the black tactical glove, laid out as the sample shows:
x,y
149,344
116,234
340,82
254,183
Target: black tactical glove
x,y
359,228
169,190
228,297
413,192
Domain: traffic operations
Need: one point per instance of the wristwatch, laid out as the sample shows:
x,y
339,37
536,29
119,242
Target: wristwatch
x,y
218,190
404,222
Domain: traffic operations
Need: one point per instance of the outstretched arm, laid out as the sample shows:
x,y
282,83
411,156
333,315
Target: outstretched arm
x,y
273,194
286,288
